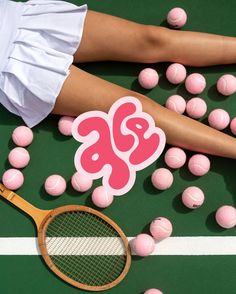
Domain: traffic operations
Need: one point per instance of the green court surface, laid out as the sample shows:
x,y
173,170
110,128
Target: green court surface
x,y
52,153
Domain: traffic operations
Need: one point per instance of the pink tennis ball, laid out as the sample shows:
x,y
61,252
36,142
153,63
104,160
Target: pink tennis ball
x,y
195,83
22,136
196,107
176,103
162,178
101,197
153,291
219,119
148,78
226,216
80,182
13,179
177,17
226,85
175,157
143,244
193,197
199,164
176,73
65,125
161,228
233,126
19,157
55,185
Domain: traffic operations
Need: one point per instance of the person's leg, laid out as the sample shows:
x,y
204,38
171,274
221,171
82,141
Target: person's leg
x,y
83,92
106,37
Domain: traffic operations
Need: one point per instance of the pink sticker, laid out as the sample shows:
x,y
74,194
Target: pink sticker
x,y
116,145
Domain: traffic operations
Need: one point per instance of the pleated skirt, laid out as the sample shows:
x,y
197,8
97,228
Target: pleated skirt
x,y
38,57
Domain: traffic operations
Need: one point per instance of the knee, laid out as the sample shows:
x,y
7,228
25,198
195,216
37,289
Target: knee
x,y
157,41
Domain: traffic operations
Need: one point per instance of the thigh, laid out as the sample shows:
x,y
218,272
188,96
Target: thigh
x,y
83,92
106,37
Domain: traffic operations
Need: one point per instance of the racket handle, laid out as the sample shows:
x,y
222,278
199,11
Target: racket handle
x,y
38,215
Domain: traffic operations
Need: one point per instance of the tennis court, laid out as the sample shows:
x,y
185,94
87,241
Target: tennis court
x,y
200,257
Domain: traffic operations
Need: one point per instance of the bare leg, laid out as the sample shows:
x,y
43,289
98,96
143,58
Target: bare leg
x,y
77,96
107,37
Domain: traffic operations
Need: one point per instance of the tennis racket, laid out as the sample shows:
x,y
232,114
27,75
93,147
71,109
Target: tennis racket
x,y
82,246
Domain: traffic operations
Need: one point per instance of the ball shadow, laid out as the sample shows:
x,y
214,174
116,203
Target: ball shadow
x,y
70,191
220,166
181,90
149,188
179,206
212,225
135,86
134,257
165,84
214,95
43,194
7,165
186,175
11,144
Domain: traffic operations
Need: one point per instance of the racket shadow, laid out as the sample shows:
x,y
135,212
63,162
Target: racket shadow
x,y
82,246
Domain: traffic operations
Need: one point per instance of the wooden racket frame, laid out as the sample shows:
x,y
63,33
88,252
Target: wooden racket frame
x,y
43,218
42,245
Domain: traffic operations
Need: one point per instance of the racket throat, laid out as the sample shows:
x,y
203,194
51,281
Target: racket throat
x,y
38,215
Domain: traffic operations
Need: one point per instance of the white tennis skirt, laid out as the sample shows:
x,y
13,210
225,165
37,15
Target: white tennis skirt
x,y
48,34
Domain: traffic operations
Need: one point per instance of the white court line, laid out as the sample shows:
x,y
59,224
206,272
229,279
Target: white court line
x,y
170,246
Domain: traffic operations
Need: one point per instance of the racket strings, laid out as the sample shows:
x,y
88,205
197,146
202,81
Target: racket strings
x,y
68,247
85,276
86,248
99,261
96,242
66,262
54,231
